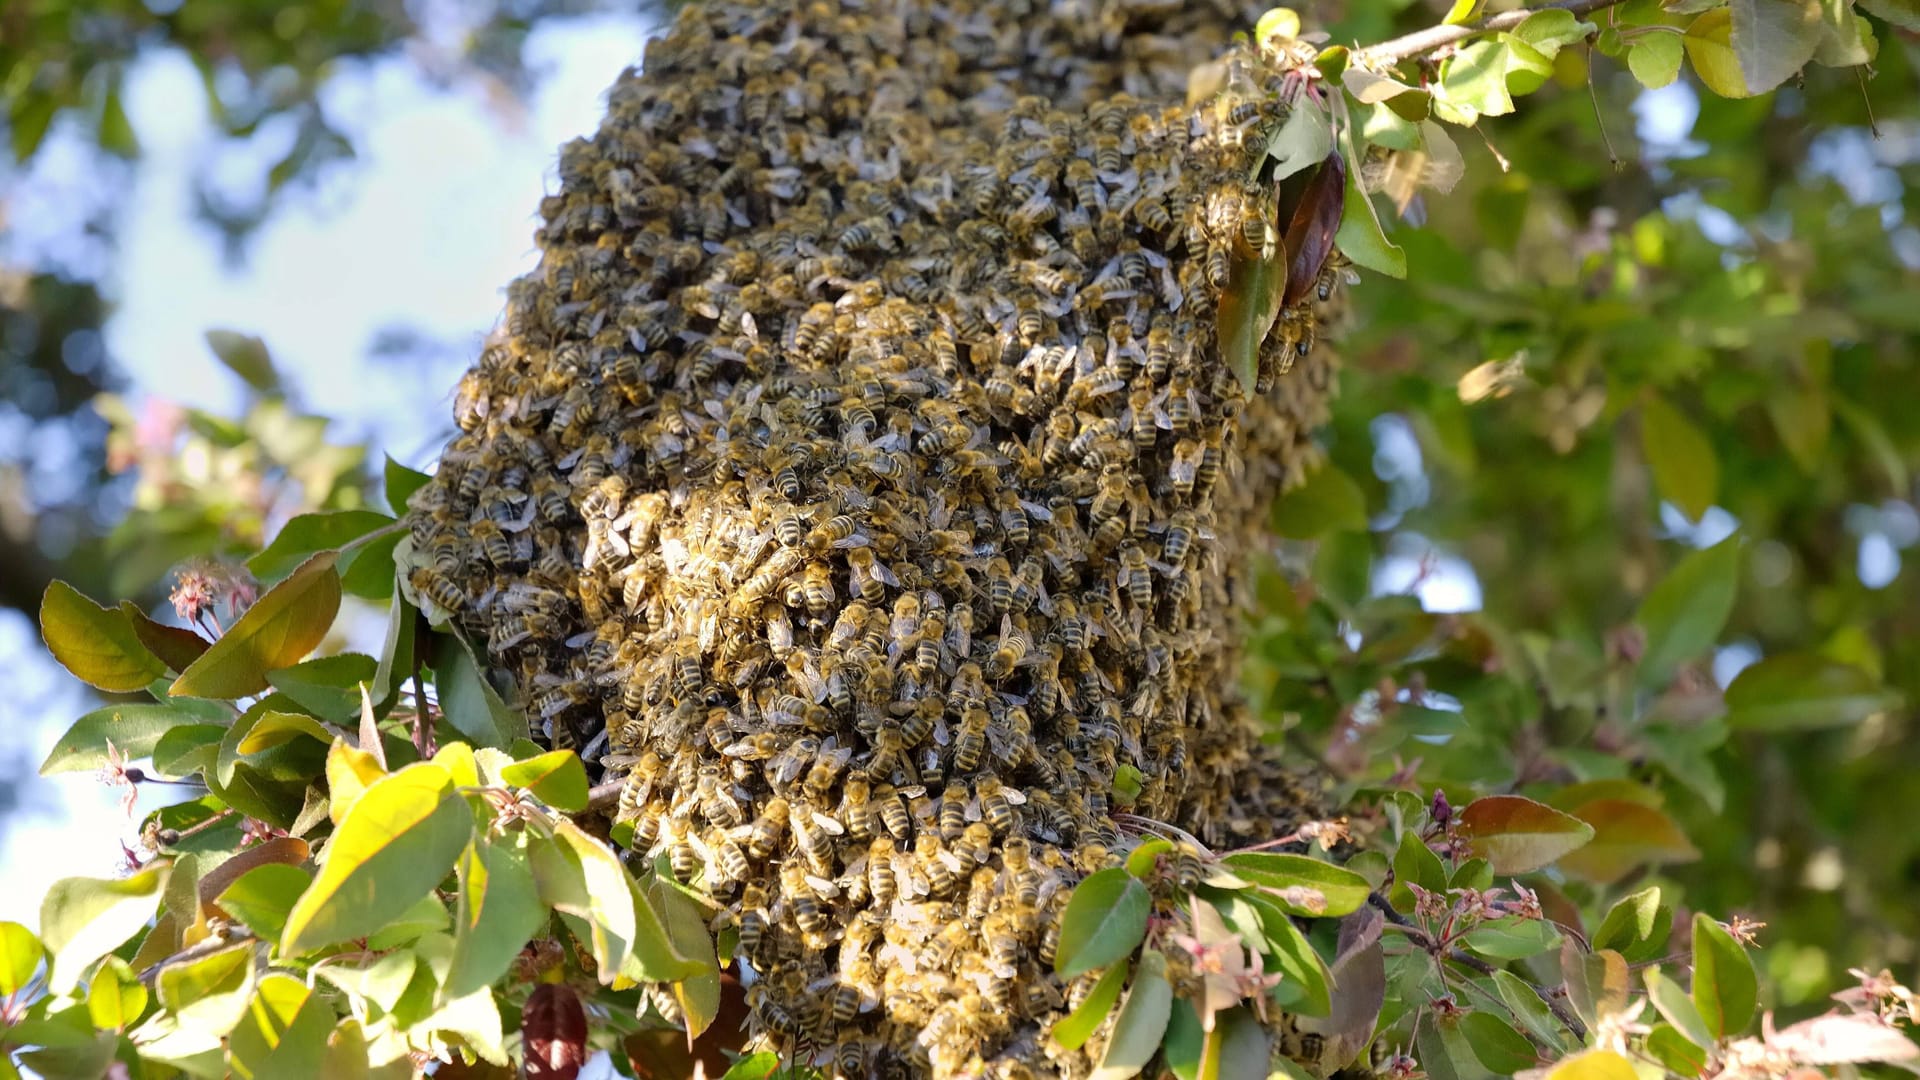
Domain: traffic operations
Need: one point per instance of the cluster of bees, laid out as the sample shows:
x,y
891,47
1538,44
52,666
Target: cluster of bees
x,y
858,476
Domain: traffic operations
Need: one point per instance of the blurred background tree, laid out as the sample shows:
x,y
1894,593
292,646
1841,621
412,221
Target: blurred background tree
x,y
1646,320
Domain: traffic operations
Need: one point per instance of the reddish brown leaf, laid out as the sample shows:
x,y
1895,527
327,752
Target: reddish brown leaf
x,y
1626,836
554,1027
1310,229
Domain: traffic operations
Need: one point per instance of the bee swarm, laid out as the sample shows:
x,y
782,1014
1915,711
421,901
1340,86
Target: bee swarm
x,y
858,474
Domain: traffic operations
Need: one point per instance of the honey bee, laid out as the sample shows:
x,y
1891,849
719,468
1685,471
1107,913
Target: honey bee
x,y
880,876
1009,652
818,586
1183,471
434,586
893,813
1179,539
996,803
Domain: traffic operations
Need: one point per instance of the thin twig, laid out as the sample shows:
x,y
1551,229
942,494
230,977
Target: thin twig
x,y
1436,37
603,796
1465,959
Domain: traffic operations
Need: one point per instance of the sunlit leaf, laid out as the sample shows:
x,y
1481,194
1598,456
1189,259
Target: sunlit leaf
x,y
284,1033
280,628
1709,46
1074,1029
1724,988
396,844
1672,1050
1904,14
326,686
1684,614
1551,29
1655,58
685,923
754,1067
557,777
262,898
1303,141
1518,835
1597,982
115,998
97,644
1802,691
209,992
1594,1065
83,919
20,955
1360,237
1104,921
1302,885
1475,78
1684,466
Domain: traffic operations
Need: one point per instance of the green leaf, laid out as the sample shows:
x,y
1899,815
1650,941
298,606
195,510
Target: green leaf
x,y
134,730
1248,306
397,651
1414,863
115,998
401,483
557,777
1105,919
1773,39
1503,1050
1303,141
367,571
1142,1021
684,920
1550,30
1185,1041
382,980
1597,982
98,645
1074,1029
428,915
246,356
308,534
1724,988
263,897
277,631
84,1059
1475,79
1360,237
1802,416
754,1067
1626,836
209,993
396,844
327,686
1711,50
1904,14
1329,501
28,118
1462,11
1674,1053
1683,462
655,956
1802,691
1527,1006
20,955
1143,861
1237,1048
1673,1004
470,703
1302,885
176,646
1511,938
1594,1065
1636,926
271,729
83,919
1305,972
1683,616
1518,835
284,1033
1846,39
1528,69
499,911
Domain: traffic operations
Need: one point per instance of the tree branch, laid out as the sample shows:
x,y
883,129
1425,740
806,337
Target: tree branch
x,y
1415,934
1435,37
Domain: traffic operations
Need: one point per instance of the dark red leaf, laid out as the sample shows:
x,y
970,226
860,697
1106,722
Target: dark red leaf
x,y
555,1029
1311,226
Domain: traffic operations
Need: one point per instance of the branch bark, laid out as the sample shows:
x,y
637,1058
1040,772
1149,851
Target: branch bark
x,y
1439,37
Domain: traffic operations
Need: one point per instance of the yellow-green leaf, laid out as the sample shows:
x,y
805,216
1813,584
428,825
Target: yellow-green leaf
x,y
576,875
557,777
284,1032
310,533
1518,835
1711,50
97,644
83,919
277,631
1462,11
398,841
1683,616
1672,1002
1637,926
115,998
1302,885
20,954
263,897
1594,1065
1597,982
1256,281
1655,58
349,773
209,993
